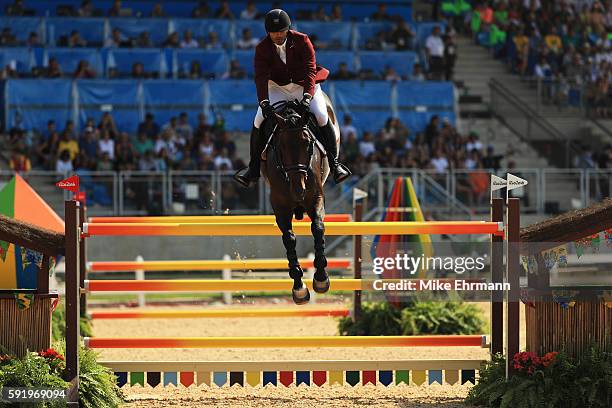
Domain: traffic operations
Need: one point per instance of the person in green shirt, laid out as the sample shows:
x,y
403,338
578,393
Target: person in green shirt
x,y
500,15
142,144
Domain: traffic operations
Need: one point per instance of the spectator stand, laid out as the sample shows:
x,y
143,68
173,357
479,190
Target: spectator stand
x,y
93,30
121,61
69,58
186,97
21,60
213,62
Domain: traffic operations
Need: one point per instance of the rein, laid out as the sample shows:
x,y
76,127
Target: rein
x,y
294,168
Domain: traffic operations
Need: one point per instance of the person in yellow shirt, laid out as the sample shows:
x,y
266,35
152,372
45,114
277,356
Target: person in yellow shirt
x,y
68,143
19,161
521,42
553,42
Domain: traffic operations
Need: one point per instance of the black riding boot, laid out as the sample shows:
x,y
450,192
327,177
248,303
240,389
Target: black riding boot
x,y
251,173
328,136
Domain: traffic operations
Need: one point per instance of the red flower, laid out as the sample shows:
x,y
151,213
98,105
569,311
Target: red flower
x,y
51,354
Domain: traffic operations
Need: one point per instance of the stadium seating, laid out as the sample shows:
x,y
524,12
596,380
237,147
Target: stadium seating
x,y
69,58
332,59
22,59
120,97
24,100
353,9
131,28
185,96
91,30
21,27
377,61
201,29
369,103
334,35
211,61
122,60
245,59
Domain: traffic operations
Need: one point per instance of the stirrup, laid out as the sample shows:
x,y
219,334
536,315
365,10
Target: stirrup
x,y
341,173
243,177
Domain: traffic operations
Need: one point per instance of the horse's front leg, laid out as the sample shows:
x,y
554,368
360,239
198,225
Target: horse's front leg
x,y
300,292
320,282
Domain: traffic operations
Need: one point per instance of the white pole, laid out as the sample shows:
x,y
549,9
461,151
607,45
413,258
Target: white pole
x,y
226,274
140,276
310,275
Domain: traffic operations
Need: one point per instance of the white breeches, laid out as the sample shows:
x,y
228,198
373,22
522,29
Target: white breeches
x,y
291,92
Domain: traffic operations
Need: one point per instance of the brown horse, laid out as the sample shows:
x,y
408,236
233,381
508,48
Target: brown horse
x,y
296,168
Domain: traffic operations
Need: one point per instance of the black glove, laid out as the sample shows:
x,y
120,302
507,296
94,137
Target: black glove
x,y
266,108
304,105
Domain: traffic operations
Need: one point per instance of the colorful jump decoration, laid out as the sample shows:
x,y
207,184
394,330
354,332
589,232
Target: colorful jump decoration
x,y
402,206
19,266
299,373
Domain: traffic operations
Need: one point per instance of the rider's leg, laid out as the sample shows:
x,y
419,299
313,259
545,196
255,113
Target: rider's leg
x,y
257,143
251,173
327,136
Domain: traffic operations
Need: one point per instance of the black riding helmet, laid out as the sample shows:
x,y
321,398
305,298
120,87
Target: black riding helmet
x,y
277,20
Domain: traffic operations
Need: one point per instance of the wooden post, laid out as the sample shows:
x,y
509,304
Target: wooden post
x,y
497,276
357,239
73,288
42,286
82,259
513,267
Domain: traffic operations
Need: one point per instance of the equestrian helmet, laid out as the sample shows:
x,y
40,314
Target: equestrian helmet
x,y
277,20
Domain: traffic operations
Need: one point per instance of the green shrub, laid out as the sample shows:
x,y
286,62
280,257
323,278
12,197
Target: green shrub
x,y
97,387
97,384
417,318
554,380
33,370
441,318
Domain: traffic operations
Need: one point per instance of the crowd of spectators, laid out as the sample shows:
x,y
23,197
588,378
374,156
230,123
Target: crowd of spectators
x,y
103,147
566,46
438,149
439,49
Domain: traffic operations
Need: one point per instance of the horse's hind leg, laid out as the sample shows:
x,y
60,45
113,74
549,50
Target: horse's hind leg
x,y
300,292
320,282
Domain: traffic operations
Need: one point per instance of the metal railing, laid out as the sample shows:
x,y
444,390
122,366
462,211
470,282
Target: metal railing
x,y
456,194
529,125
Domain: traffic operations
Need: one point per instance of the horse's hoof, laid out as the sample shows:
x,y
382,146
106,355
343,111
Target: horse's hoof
x,y
321,287
301,296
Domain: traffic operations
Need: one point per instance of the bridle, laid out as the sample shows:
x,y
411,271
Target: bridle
x,y
298,168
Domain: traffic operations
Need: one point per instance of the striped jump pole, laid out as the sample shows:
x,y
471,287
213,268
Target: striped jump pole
x,y
239,219
270,229
211,285
209,265
246,285
287,342
232,313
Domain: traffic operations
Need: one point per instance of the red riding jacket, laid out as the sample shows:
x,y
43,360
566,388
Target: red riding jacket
x,y
301,67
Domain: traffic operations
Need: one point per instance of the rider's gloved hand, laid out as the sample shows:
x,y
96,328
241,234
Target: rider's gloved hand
x,y
304,105
266,108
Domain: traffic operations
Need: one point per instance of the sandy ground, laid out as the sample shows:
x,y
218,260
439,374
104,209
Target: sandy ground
x,y
334,396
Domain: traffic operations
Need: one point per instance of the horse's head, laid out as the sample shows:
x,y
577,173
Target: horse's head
x,y
294,145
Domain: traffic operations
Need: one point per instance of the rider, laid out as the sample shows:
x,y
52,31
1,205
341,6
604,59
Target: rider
x,y
285,69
